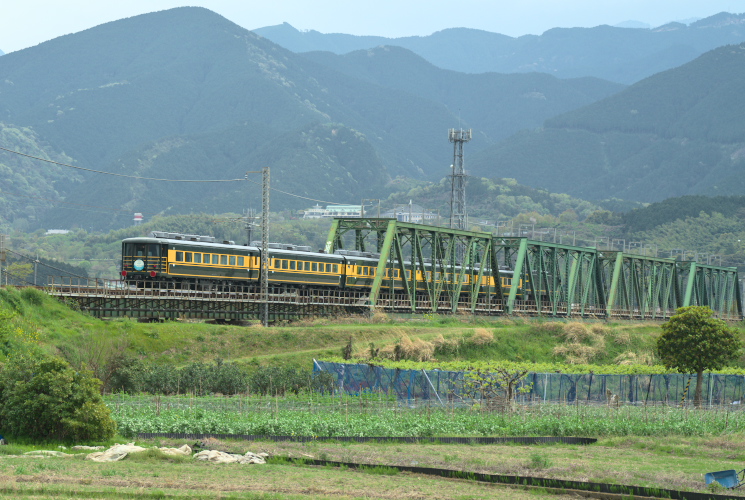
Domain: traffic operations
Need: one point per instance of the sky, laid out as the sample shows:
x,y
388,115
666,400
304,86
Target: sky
x,y
24,23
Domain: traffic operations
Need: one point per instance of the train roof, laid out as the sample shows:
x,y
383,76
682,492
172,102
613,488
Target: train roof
x,y
221,245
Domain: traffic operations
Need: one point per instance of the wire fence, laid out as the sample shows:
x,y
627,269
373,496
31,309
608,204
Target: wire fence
x,y
446,386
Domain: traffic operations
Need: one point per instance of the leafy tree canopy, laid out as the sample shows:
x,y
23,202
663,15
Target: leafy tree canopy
x,y
693,341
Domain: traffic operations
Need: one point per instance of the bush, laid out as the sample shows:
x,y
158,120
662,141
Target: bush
x,y
43,397
33,296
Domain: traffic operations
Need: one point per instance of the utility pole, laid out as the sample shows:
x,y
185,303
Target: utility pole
x,y
458,215
264,243
2,256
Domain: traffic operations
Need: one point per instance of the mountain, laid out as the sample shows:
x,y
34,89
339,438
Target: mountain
x,y
2,53
187,94
676,133
618,54
495,105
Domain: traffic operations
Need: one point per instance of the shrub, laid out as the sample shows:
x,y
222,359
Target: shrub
x,y
43,397
33,296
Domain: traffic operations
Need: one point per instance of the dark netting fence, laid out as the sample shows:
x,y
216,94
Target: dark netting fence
x,y
446,386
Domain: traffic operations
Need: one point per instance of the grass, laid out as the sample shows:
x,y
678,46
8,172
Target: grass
x,y
628,461
65,330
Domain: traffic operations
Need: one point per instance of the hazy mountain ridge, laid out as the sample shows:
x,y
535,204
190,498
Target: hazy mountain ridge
x,y
495,105
612,53
152,94
672,134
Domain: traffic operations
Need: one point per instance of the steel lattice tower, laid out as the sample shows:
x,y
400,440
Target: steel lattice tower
x,y
458,214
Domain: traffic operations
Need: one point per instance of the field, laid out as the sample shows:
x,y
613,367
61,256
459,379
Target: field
x,y
656,446
654,462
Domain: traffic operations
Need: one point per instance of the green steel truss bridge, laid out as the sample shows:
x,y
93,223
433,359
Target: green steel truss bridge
x,y
463,271
545,279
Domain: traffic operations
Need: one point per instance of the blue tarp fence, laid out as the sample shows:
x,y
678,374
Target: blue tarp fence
x,y
446,386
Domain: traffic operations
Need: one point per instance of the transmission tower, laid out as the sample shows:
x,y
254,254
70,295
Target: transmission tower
x,y
458,215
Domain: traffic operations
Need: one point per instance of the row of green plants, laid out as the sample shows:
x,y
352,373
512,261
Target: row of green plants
x,y
352,418
134,377
490,366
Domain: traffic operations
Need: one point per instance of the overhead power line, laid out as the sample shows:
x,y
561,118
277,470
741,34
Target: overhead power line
x,y
117,175
164,180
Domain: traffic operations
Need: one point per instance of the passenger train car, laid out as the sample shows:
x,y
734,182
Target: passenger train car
x,y
201,262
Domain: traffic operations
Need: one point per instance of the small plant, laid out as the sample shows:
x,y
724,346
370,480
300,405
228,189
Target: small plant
x,y
539,461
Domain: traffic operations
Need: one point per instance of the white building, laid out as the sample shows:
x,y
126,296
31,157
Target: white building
x,y
319,212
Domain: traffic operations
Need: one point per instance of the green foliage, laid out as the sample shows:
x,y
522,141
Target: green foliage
x,y
350,416
693,341
680,208
133,376
44,398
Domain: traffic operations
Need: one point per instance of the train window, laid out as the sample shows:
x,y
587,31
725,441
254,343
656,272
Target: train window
x,y
292,265
188,256
153,250
223,260
241,261
140,250
284,264
328,268
396,274
232,260
214,258
179,256
336,268
197,258
207,258
307,266
359,270
315,267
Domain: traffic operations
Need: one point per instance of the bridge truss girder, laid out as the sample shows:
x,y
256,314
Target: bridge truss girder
x,y
426,251
715,287
552,279
640,287
547,278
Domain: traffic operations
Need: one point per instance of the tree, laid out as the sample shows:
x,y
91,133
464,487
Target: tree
x,y
495,387
43,397
19,271
693,341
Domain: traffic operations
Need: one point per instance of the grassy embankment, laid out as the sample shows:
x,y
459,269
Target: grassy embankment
x,y
64,330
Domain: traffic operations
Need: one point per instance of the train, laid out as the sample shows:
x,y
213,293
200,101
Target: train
x,y
202,262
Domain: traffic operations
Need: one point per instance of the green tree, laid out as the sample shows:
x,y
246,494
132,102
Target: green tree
x,y
693,341
43,397
19,270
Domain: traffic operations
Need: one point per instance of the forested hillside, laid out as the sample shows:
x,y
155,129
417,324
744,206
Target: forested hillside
x,y
186,94
495,105
617,54
676,133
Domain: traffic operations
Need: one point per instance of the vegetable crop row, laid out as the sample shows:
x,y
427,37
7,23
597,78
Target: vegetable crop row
x,y
391,419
